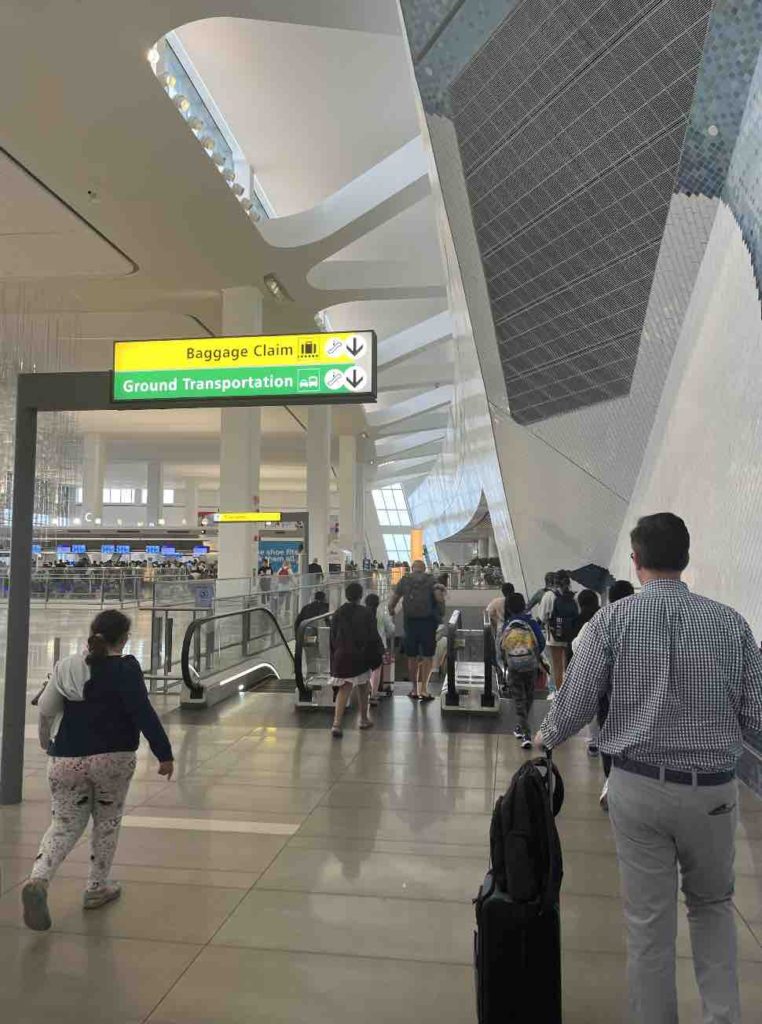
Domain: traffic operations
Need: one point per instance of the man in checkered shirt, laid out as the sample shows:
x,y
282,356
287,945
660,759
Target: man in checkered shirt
x,y
685,678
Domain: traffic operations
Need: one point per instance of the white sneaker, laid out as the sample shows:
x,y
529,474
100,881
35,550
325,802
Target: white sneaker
x,y
551,695
107,893
604,800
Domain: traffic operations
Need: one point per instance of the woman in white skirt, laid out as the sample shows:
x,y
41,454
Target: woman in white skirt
x,y
356,649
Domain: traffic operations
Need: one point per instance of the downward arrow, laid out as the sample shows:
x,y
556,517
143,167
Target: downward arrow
x,y
354,381
354,346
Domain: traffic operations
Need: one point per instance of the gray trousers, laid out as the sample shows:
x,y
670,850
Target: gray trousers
x,y
658,828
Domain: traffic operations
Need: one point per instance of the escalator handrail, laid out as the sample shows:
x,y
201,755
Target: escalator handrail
x,y
304,692
489,661
195,689
453,625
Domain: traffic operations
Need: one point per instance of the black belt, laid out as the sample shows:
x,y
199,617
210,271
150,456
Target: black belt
x,y
652,771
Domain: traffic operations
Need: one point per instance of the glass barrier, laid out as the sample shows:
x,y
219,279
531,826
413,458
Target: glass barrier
x,y
222,643
283,597
470,663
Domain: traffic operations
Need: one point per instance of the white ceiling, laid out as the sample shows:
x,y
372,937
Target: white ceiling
x,y
312,108
40,237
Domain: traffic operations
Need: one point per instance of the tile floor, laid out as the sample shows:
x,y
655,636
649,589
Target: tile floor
x,y
284,877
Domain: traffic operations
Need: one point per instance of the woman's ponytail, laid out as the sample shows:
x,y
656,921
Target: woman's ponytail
x,y
106,630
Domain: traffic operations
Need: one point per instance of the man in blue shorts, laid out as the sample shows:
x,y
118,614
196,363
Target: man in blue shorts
x,y
422,606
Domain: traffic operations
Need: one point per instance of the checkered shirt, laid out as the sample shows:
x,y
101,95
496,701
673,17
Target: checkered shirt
x,y
684,675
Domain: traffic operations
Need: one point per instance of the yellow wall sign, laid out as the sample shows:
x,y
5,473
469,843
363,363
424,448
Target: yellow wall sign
x,y
247,517
330,367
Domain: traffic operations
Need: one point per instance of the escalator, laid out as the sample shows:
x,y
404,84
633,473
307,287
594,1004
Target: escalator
x,y
248,649
473,680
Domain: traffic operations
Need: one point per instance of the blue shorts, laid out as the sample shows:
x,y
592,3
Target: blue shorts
x,y
420,637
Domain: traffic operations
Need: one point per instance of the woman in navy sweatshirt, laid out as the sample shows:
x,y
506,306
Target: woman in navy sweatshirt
x,y
101,703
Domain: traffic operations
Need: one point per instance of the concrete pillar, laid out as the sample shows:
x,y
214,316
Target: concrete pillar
x,y
93,473
154,492
492,550
482,547
191,501
240,444
351,499
318,480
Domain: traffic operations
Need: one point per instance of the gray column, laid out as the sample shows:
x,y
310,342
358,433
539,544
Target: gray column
x,y
240,444
155,492
93,473
190,488
319,479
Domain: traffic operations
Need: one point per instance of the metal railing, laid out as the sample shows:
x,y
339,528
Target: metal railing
x,y
307,636
204,599
482,643
226,642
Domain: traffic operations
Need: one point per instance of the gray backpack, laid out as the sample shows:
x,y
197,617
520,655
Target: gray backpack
x,y
418,595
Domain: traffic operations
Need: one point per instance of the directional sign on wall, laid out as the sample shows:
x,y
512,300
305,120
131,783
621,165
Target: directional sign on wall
x,y
271,369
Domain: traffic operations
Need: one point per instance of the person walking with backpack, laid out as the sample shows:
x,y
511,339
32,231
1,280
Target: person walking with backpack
x,y
559,615
684,675
422,605
520,646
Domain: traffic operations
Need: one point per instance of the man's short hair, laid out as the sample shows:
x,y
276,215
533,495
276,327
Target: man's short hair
x,y
661,542
418,565
516,603
319,596
353,591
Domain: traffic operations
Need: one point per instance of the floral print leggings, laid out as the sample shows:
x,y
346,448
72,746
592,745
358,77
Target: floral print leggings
x,y
81,788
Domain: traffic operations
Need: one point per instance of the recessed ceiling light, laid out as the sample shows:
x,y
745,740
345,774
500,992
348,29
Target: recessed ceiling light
x,y
713,130
276,289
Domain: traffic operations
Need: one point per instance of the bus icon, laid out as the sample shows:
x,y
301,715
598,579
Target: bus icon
x,y
308,381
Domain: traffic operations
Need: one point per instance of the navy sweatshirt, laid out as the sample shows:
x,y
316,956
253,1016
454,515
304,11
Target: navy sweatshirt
x,y
114,711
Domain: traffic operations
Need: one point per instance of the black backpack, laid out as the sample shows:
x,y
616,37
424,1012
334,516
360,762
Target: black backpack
x,y
525,850
564,622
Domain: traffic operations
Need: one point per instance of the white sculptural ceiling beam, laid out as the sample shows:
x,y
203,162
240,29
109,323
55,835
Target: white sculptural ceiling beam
x,y
413,339
388,188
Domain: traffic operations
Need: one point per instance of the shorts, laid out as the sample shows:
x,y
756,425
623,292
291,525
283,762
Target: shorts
x,y
420,637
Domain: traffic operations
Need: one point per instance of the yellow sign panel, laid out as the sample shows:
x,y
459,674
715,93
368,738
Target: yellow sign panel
x,y
247,517
235,353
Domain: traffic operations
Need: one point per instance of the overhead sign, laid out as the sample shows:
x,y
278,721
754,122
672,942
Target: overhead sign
x,y
277,369
247,517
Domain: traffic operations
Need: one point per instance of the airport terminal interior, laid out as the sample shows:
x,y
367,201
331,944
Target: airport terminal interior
x,y
298,294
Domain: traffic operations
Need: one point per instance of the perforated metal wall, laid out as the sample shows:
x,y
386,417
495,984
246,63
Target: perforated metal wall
x,y
570,121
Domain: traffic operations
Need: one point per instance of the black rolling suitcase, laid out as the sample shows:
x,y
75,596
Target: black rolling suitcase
x,y
517,943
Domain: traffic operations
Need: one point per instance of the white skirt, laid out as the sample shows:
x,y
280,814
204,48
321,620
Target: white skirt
x,y
360,680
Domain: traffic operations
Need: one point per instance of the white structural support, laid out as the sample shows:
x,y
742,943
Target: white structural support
x,y
240,448
318,479
94,466
154,492
351,499
191,501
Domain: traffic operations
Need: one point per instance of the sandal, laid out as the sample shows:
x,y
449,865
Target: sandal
x,y
413,695
366,725
336,732
427,696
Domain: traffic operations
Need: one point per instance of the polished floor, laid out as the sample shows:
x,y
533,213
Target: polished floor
x,y
286,877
